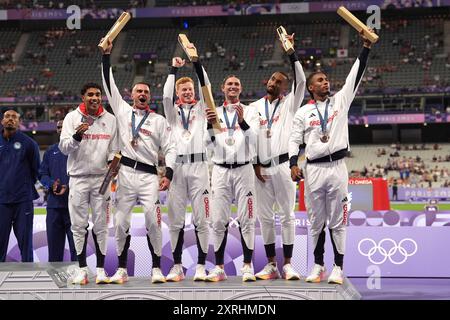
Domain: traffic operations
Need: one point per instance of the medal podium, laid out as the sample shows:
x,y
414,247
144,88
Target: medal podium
x,y
48,281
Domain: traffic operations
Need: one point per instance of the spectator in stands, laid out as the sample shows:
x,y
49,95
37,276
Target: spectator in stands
x,y
54,178
19,164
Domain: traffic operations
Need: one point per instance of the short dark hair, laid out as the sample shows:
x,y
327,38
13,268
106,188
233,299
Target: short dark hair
x,y
141,82
5,109
309,79
284,74
90,85
228,77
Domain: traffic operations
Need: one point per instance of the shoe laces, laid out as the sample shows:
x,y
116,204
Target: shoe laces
x,y
317,269
102,272
200,268
269,268
177,269
157,272
246,269
122,272
218,270
288,268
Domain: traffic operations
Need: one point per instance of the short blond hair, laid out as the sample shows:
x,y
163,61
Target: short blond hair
x,y
183,80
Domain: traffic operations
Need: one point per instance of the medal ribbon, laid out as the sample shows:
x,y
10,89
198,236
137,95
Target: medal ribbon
x,y
227,121
183,117
135,131
324,119
270,120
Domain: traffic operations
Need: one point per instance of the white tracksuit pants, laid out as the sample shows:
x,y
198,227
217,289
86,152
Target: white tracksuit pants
x,y
228,184
83,194
278,189
132,185
326,191
190,182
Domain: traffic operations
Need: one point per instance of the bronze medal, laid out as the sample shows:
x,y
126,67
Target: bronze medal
x,y
134,143
324,138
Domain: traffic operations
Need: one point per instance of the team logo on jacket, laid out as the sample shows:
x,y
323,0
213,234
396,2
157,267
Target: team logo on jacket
x,y
206,203
158,213
17,145
346,206
250,204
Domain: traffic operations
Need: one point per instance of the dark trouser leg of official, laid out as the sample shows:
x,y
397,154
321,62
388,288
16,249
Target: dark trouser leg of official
x,y
6,219
56,234
68,231
23,229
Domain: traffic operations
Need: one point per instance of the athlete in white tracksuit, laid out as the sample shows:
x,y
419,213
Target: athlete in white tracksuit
x,y
322,125
187,119
89,138
232,176
274,184
141,133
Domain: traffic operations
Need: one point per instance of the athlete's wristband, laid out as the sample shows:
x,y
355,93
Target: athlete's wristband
x,y
169,173
78,137
244,125
293,161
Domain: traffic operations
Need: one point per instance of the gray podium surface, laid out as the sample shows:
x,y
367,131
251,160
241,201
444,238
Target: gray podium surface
x,y
48,281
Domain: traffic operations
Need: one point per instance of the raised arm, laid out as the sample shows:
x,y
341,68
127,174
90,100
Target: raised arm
x,y
112,92
299,84
168,92
202,79
297,93
348,91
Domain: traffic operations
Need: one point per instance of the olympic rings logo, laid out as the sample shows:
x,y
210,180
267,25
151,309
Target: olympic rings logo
x,y
387,251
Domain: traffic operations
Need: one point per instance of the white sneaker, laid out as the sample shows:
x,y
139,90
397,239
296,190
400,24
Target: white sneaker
x,y
102,277
247,273
216,274
81,276
157,276
336,276
120,277
289,273
176,273
200,273
317,274
270,271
